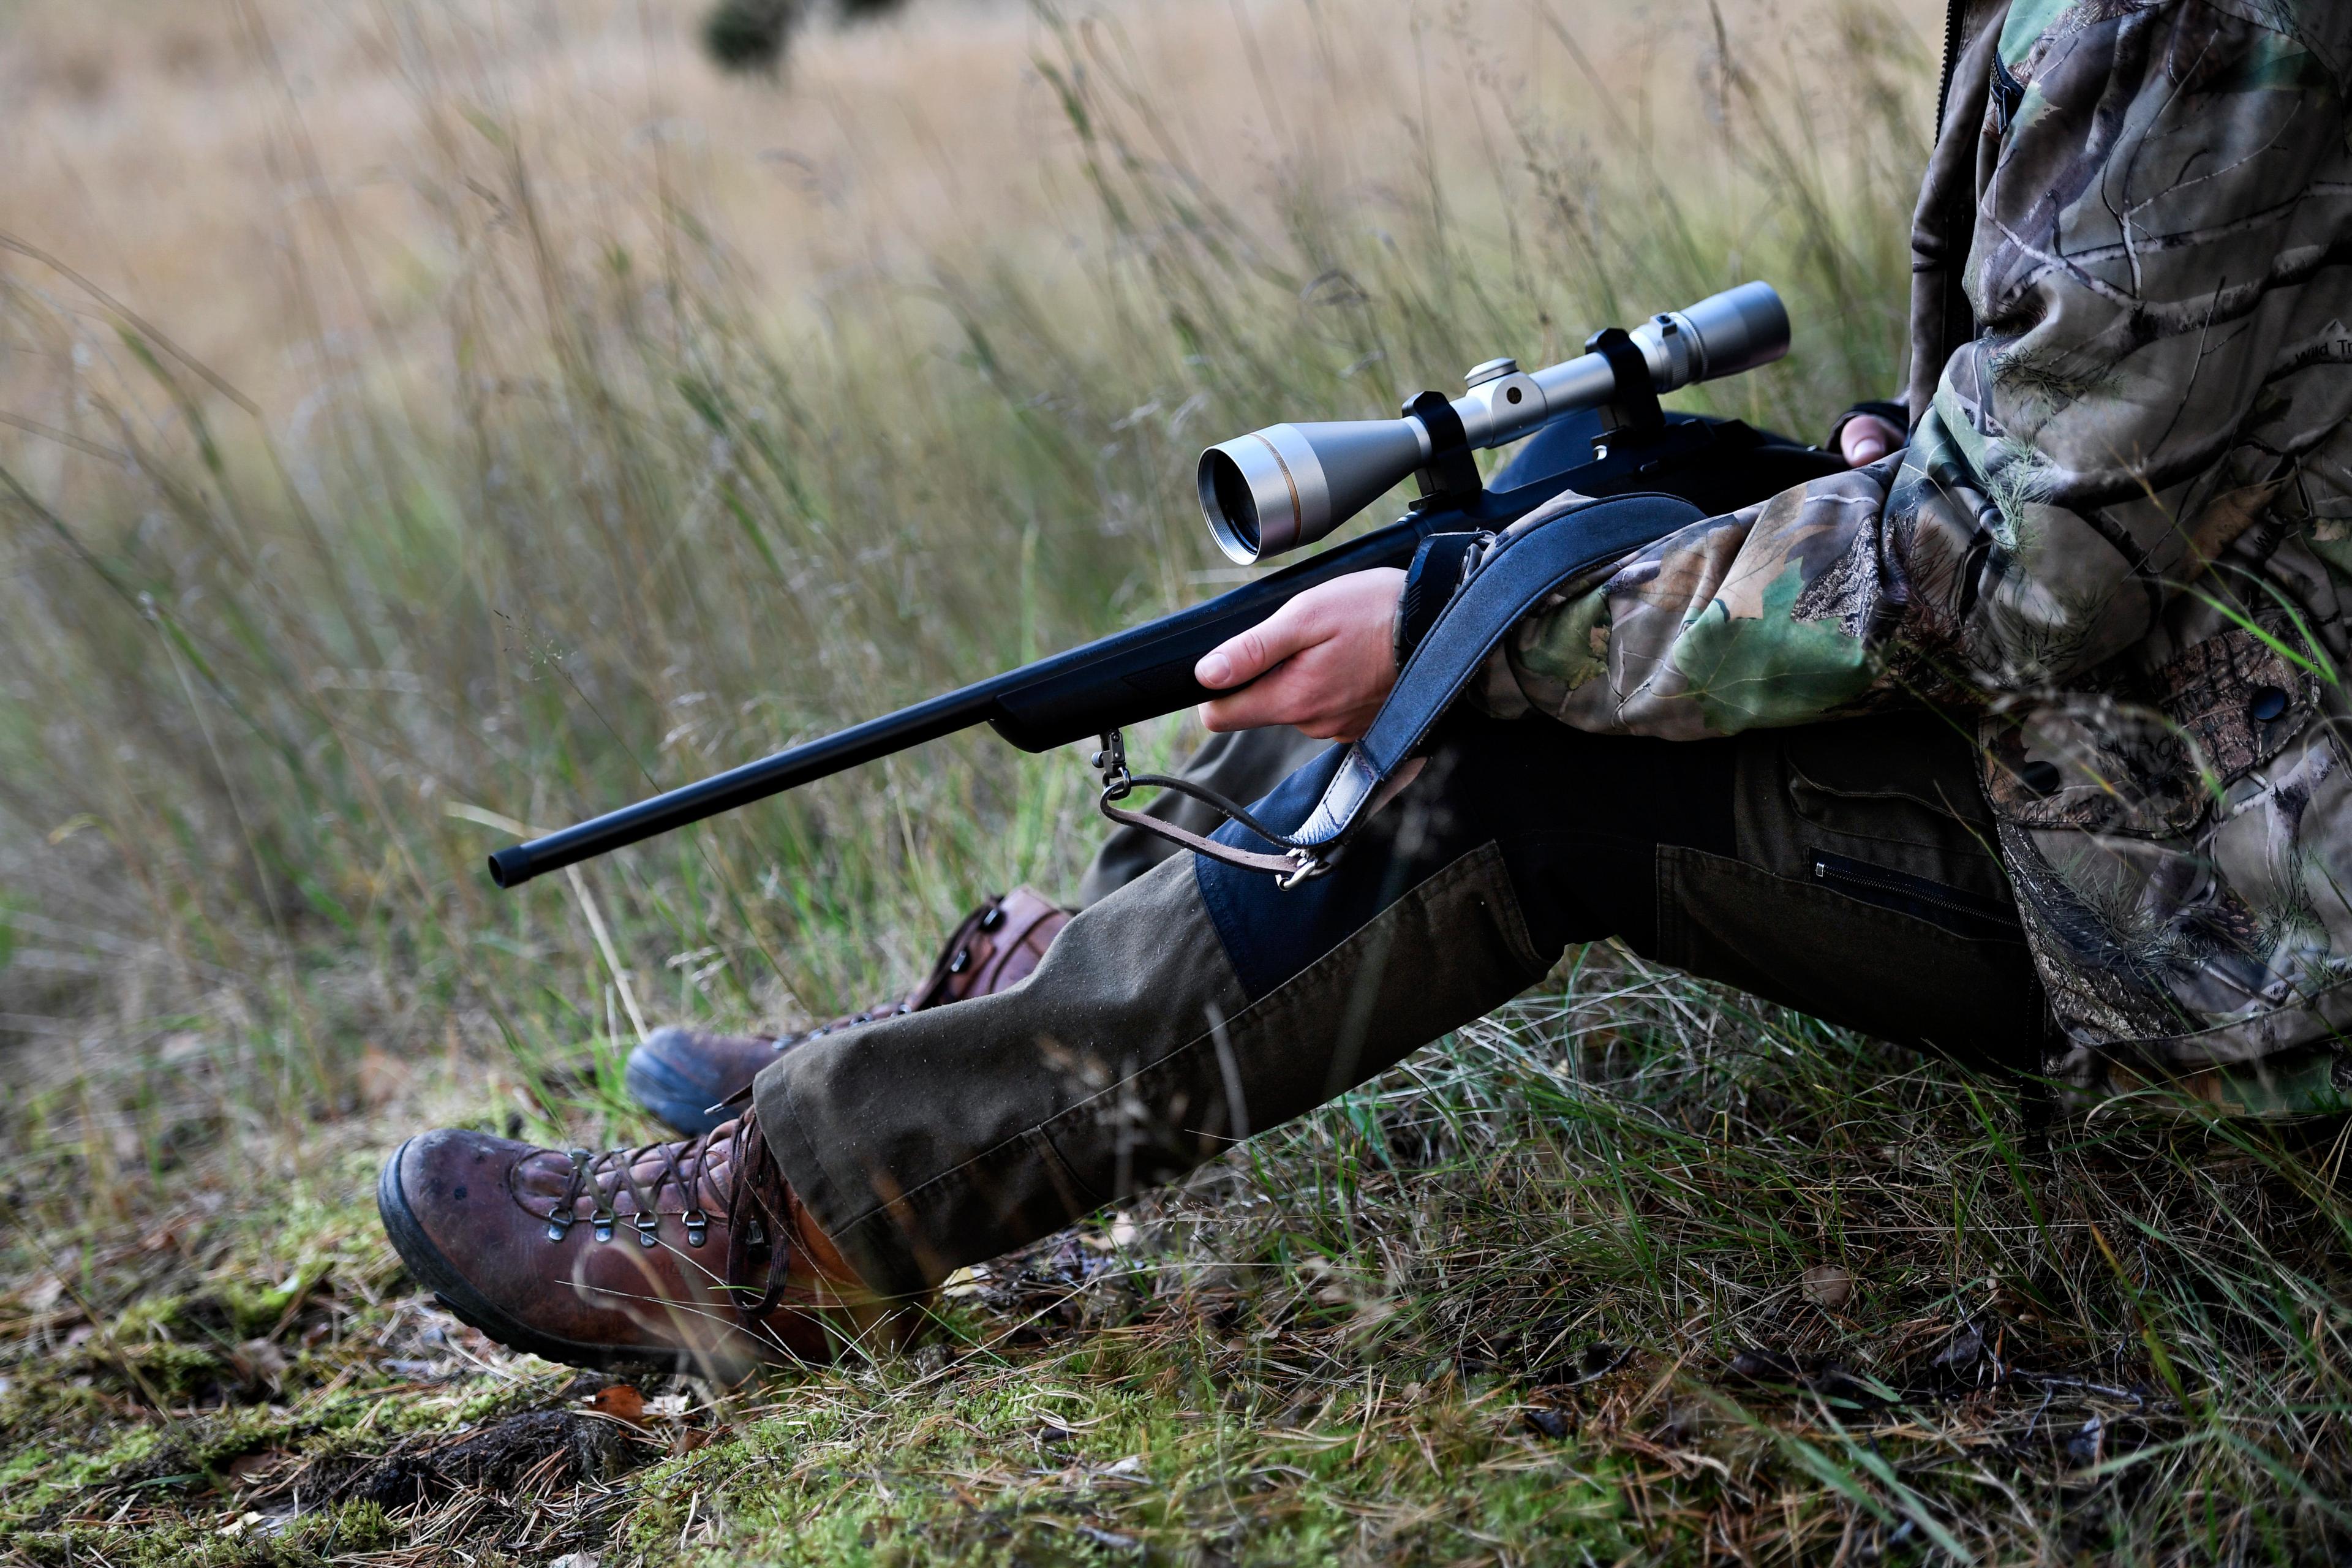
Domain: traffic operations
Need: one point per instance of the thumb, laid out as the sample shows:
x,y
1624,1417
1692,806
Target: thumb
x,y
1247,655
1866,438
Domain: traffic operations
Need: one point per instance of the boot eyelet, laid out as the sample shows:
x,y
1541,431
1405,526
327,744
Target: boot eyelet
x,y
993,918
961,962
603,1219
698,1226
560,1218
648,1224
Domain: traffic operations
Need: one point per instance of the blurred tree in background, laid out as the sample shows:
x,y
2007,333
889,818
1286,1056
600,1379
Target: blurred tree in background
x,y
751,34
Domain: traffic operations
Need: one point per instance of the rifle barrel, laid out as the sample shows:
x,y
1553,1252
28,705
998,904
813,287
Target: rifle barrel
x,y
788,769
1123,679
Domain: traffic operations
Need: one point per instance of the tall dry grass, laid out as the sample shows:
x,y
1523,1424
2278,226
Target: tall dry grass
x,y
415,417
424,416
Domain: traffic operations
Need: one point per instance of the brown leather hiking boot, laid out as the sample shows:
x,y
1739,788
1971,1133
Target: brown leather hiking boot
x,y
693,1256
689,1078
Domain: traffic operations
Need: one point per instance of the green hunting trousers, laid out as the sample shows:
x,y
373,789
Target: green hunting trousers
x,y
1844,870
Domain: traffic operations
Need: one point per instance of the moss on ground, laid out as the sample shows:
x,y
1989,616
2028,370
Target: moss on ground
x,y
1552,1292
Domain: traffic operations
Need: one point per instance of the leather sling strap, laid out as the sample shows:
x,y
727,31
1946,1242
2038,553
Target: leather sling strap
x,y
1516,573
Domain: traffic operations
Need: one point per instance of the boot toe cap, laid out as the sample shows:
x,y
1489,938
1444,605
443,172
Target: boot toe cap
x,y
438,1191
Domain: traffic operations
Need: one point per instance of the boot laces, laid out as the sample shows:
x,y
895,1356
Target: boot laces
x,y
683,1165
755,1203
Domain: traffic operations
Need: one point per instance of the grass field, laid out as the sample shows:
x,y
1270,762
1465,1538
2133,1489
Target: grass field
x,y
416,419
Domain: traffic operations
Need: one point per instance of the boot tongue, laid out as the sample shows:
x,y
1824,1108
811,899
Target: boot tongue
x,y
744,1181
760,1250
716,1164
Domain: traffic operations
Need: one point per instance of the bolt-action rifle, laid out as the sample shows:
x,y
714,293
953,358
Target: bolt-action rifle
x,y
1289,485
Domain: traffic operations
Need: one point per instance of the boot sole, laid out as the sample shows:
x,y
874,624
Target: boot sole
x,y
438,1275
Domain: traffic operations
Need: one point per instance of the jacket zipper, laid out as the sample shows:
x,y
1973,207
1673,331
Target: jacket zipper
x,y
1958,322
1912,890
1951,62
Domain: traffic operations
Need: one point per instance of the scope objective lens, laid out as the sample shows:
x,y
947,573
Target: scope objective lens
x,y
1235,502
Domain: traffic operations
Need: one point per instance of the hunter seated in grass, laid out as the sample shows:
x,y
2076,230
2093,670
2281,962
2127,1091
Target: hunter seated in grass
x,y
2017,741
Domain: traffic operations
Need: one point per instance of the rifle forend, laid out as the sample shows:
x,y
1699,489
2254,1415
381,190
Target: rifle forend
x,y
1287,485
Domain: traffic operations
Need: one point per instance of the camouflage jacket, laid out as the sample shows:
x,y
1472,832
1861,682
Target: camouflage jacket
x,y
2119,537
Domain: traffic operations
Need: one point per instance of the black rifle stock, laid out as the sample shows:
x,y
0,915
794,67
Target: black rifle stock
x,y
1147,671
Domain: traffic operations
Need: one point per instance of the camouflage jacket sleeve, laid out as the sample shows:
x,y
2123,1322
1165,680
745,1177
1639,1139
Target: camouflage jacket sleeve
x,y
2158,221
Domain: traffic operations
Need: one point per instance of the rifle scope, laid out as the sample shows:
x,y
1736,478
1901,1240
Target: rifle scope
x,y
1287,485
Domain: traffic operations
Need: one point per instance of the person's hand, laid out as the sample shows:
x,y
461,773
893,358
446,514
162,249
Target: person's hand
x,y
1323,662
1866,438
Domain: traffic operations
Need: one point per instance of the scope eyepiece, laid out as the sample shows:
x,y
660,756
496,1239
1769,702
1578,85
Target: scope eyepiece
x,y
1732,332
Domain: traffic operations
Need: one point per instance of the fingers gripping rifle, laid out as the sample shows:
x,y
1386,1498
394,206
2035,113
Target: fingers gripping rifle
x,y
1289,485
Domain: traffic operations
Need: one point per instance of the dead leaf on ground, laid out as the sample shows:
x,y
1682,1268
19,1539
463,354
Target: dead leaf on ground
x,y
1546,1423
621,1400
1829,1285
260,1362
1962,1354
